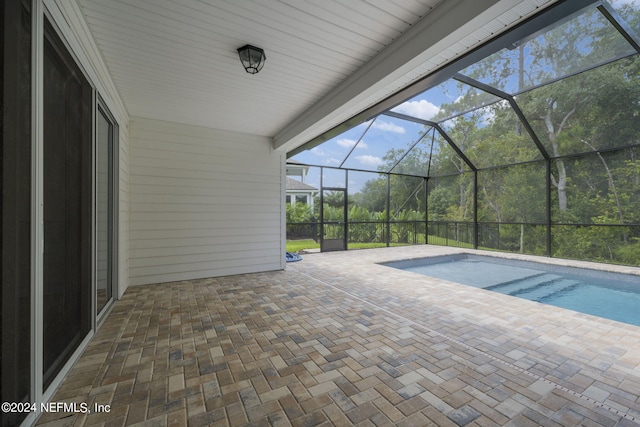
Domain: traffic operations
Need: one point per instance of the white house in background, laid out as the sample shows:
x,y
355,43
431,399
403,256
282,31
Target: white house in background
x,y
298,191
137,150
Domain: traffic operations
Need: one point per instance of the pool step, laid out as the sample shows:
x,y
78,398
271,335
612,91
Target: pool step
x,y
547,298
547,290
517,285
536,288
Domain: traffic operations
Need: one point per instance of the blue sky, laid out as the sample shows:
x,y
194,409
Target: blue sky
x,y
384,133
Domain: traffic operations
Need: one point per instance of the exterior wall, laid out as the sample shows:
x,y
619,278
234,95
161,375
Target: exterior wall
x,y
123,208
203,203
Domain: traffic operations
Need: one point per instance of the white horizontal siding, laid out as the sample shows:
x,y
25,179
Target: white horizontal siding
x,y
203,203
123,208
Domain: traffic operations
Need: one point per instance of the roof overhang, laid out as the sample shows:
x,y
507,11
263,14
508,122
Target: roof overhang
x,y
177,60
454,28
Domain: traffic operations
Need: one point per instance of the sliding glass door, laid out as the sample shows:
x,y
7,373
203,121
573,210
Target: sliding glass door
x,y
59,205
67,206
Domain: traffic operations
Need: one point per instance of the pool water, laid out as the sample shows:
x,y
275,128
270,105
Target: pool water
x,y
610,295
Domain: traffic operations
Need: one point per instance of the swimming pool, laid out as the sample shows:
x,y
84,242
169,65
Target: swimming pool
x,y
613,296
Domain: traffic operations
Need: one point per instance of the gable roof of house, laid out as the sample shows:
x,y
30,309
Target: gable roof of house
x,y
294,184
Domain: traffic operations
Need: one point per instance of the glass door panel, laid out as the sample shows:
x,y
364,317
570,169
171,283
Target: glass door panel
x,y
104,211
15,209
67,206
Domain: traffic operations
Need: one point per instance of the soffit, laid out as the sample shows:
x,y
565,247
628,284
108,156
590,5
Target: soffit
x,y
176,60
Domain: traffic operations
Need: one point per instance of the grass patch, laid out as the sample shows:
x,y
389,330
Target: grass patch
x,y
302,244
354,245
299,245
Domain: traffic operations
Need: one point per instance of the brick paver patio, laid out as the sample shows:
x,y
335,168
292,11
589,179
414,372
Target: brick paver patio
x,y
338,340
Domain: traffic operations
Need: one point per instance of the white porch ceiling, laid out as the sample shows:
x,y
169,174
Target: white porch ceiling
x,y
327,60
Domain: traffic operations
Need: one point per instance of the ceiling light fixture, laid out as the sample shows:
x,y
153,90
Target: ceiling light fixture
x,y
252,58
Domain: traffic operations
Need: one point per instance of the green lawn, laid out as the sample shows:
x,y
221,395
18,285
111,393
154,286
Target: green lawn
x,y
353,245
299,245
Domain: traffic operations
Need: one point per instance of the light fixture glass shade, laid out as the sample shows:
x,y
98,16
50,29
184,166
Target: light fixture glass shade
x,y
252,58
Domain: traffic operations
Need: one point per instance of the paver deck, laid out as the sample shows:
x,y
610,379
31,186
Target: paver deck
x,y
337,339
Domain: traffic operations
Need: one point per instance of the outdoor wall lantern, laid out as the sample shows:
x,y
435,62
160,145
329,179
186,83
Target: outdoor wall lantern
x,y
252,58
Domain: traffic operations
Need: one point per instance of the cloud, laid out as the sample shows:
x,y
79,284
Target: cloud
x,y
369,160
388,127
332,161
348,143
422,109
317,151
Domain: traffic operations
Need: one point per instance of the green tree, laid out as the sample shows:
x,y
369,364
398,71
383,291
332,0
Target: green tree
x,y
373,196
298,213
334,199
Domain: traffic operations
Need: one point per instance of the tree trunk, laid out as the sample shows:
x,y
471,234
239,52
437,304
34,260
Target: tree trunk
x,y
520,81
612,187
636,177
463,203
552,133
561,185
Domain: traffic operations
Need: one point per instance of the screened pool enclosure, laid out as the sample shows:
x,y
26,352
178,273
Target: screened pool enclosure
x,y
528,144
